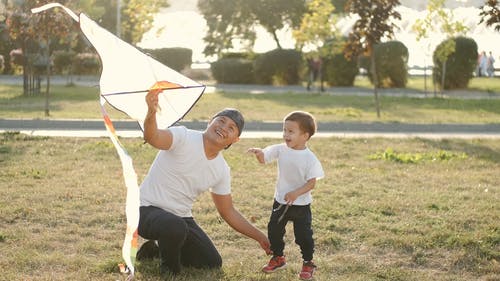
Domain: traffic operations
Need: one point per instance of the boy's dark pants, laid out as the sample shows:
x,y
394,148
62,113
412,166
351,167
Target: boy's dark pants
x,y
181,240
301,217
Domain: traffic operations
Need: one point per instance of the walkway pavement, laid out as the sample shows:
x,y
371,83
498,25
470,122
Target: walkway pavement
x,y
93,81
95,128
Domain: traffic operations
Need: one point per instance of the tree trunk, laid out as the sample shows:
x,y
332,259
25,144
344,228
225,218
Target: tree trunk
x,y
375,82
277,40
425,79
47,90
442,78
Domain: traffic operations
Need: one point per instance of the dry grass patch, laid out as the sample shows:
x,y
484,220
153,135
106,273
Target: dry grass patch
x,y
62,213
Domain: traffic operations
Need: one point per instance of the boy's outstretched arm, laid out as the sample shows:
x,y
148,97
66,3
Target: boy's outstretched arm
x,y
258,153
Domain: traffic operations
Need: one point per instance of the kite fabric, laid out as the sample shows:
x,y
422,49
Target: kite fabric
x,y
127,76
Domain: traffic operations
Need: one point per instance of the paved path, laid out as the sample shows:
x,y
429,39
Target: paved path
x,y
93,81
127,128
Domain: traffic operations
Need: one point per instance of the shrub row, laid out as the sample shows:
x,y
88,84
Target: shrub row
x,y
280,67
69,62
288,67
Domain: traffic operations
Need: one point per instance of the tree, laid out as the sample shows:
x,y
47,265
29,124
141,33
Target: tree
x,y
274,15
339,6
137,17
490,14
226,22
437,16
6,44
373,25
37,35
237,20
317,28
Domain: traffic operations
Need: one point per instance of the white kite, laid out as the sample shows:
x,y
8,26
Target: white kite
x,y
127,76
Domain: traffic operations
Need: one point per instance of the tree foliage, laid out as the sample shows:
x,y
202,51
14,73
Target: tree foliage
x,y
25,26
490,14
136,15
374,24
231,21
137,18
317,28
339,5
439,18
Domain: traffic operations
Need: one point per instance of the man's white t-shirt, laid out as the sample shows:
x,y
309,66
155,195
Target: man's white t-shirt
x,y
178,175
295,168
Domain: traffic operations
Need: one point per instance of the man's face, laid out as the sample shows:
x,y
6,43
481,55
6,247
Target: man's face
x,y
223,130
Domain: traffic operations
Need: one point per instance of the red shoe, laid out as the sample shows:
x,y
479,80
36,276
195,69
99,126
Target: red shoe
x,y
276,263
307,271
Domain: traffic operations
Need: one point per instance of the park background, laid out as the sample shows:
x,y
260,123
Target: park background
x,y
388,209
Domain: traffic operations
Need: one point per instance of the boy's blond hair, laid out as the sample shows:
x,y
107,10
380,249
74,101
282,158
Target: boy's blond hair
x,y
307,122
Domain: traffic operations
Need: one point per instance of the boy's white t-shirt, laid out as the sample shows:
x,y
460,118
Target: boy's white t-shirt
x,y
178,175
295,168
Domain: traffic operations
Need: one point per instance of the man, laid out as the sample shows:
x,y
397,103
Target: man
x,y
189,162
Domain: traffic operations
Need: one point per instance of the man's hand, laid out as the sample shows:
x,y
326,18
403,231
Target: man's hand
x,y
266,245
152,100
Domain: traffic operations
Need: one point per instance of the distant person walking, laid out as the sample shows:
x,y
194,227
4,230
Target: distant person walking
x,y
491,65
483,64
315,71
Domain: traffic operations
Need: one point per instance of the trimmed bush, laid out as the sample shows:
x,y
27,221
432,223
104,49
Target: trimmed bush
x,y
391,60
278,67
233,71
339,72
175,58
16,57
460,65
238,55
86,63
63,62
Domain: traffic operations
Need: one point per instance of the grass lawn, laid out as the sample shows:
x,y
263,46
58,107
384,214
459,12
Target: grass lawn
x,y
83,102
388,209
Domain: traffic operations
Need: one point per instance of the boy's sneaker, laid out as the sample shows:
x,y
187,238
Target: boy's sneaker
x,y
307,270
276,263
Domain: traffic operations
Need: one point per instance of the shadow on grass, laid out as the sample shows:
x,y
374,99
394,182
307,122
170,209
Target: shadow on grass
x,y
472,148
150,270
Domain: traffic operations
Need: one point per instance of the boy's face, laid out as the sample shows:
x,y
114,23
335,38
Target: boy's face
x,y
293,136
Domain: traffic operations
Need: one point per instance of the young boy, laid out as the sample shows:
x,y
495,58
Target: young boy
x,y
298,170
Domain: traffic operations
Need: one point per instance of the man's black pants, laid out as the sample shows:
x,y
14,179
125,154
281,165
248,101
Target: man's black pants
x,y
181,240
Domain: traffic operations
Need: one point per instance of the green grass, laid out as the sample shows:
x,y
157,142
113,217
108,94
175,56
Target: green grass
x,y
375,218
83,102
418,83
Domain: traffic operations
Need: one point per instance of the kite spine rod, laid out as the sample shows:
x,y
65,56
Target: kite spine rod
x,y
144,91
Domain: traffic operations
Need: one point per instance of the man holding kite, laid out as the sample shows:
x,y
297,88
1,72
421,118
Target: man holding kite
x,y
189,162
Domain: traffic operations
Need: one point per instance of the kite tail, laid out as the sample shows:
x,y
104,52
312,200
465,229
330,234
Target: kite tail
x,y
129,249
